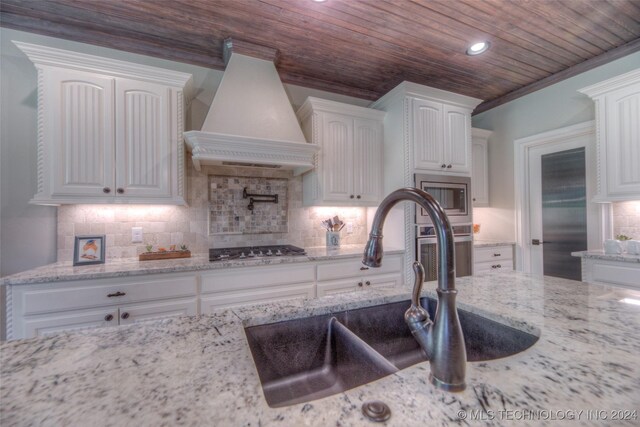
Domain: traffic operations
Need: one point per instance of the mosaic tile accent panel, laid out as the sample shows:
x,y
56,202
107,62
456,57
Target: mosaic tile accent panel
x,y
230,212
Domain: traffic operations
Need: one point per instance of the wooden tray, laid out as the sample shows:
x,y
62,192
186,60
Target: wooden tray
x,y
150,256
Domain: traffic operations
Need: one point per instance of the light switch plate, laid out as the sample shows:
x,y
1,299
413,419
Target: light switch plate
x,y
349,228
136,234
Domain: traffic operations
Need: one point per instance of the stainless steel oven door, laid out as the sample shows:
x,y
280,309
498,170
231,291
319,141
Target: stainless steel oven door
x,y
427,255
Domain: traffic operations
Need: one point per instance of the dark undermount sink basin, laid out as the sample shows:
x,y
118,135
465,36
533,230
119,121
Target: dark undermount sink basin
x,y
305,359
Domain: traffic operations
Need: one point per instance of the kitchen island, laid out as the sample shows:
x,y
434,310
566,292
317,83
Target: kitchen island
x,y
199,370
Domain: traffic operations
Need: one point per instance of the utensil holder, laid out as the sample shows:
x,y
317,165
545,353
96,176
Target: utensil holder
x,y
333,239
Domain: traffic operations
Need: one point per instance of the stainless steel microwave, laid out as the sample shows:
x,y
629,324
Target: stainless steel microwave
x,y
453,193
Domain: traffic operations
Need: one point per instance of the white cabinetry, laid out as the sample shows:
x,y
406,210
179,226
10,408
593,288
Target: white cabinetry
x,y
53,307
349,165
441,136
480,167
243,286
492,259
618,136
108,131
611,272
336,277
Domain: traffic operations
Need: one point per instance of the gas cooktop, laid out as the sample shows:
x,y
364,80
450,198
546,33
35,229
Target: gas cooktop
x,y
248,252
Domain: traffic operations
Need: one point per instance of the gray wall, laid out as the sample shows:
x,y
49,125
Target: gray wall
x,y
551,108
28,232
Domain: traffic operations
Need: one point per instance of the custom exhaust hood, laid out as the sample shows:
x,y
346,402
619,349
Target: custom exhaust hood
x,y
251,121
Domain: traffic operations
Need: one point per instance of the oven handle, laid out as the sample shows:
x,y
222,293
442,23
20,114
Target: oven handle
x,y
432,240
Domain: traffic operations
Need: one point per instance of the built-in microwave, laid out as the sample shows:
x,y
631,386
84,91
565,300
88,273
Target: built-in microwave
x,y
453,193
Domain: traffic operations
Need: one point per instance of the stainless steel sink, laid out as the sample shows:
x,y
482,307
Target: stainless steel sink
x,y
306,359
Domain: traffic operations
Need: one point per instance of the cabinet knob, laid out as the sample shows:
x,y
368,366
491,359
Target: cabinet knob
x,y
108,317
368,283
474,199
116,294
358,196
120,190
443,166
106,190
124,315
499,266
493,266
448,166
351,196
360,284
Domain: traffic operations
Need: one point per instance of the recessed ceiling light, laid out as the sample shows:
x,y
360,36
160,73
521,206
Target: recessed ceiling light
x,y
478,48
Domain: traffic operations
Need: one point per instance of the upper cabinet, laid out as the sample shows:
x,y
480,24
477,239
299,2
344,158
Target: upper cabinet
x,y
441,136
480,167
349,166
618,136
108,131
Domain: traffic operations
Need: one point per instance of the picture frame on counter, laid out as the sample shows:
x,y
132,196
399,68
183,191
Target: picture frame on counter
x,y
88,250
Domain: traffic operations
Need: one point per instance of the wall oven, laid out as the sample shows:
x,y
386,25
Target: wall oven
x,y
453,193
427,253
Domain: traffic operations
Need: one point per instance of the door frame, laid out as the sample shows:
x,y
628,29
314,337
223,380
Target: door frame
x,y
599,224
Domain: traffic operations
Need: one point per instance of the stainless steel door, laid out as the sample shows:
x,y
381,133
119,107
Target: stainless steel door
x,y
427,255
564,213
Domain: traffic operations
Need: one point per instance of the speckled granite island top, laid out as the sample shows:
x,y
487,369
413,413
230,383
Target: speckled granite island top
x,y
491,243
199,371
132,267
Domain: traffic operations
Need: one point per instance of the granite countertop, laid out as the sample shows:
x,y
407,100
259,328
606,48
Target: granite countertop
x,y
63,271
625,257
490,243
199,370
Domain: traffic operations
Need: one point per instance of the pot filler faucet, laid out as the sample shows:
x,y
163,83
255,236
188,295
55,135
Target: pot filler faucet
x,y
442,339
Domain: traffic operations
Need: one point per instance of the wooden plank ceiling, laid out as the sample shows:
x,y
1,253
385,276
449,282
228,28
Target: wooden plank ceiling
x,y
361,48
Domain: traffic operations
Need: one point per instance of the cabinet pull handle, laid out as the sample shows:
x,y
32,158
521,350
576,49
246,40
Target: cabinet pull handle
x,y
358,196
364,268
368,283
443,166
120,190
124,315
116,294
360,284
474,199
108,317
497,254
493,266
448,166
106,190
351,196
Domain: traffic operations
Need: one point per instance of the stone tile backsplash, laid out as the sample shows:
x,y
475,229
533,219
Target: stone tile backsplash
x,y
166,225
626,219
247,204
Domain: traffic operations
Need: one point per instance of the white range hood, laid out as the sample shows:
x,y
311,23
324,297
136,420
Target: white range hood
x,y
251,121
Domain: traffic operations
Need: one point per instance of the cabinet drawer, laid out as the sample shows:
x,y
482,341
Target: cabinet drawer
x,y
84,294
156,310
257,277
492,266
495,253
613,273
65,322
332,270
213,302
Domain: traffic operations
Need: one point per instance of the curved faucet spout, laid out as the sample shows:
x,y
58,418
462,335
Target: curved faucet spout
x,y
442,340
446,264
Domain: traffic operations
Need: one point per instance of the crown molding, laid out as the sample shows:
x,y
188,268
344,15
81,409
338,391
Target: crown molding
x,y
614,83
312,104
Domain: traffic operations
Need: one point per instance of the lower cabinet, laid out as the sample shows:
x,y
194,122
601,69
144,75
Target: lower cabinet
x,y
350,275
608,272
249,285
49,308
492,259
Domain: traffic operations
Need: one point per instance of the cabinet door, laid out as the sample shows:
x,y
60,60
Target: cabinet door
x,y
367,167
623,142
457,139
78,127
337,157
211,302
480,174
135,313
143,143
66,321
383,281
334,287
427,135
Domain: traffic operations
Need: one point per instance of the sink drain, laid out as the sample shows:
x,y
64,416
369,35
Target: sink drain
x,y
376,411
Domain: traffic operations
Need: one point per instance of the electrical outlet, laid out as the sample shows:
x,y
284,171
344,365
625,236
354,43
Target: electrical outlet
x,y
136,234
349,228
